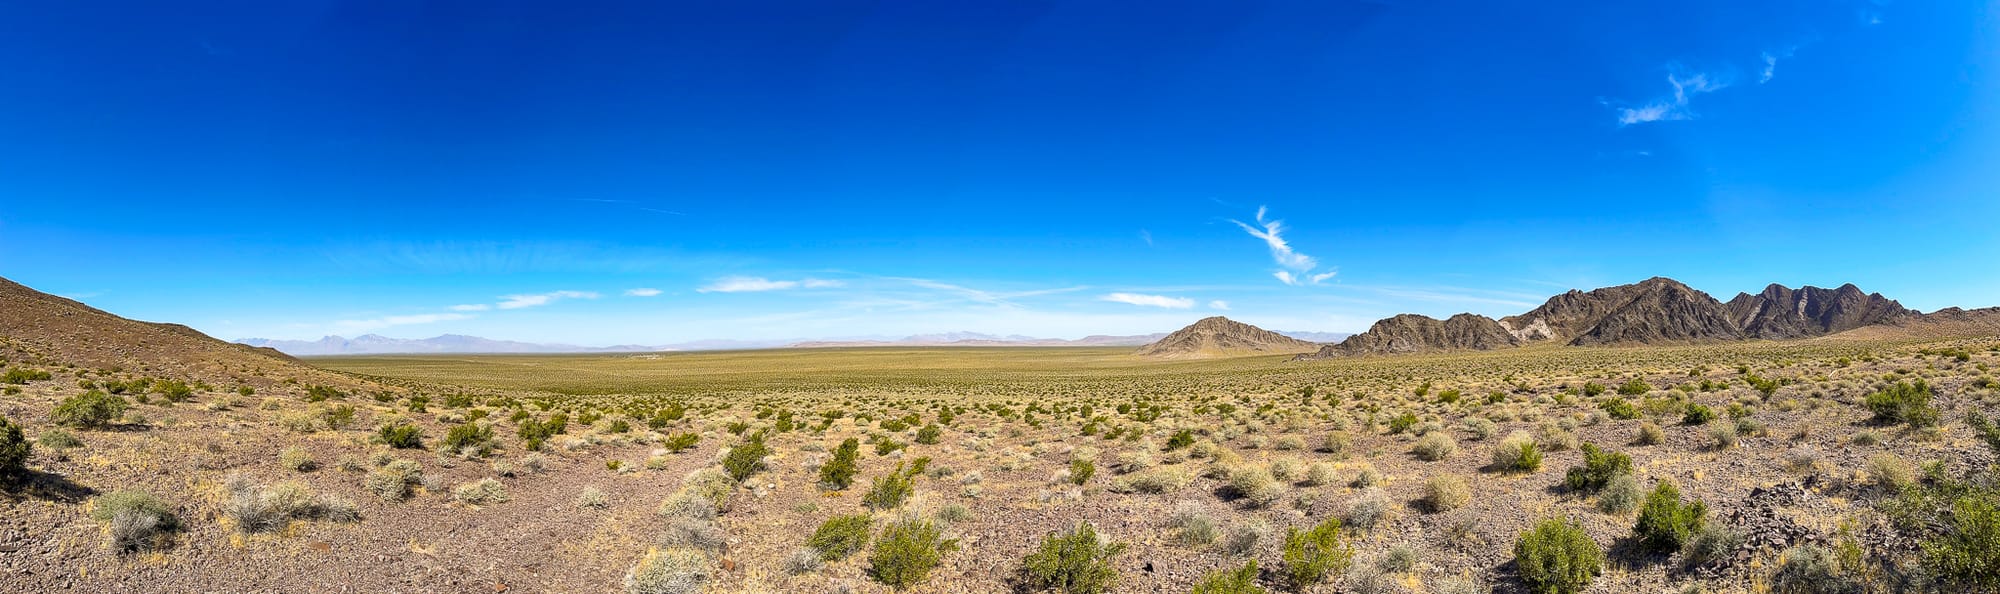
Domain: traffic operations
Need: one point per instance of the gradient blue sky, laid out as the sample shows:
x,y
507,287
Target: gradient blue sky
x,y
820,169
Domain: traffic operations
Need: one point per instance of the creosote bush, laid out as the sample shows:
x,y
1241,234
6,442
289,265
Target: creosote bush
x,y
1599,466
1078,562
746,459
840,536
1665,522
906,552
14,450
1230,580
838,473
92,409
1557,557
1313,555
1904,402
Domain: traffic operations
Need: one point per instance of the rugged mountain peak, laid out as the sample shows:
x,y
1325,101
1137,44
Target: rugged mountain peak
x,y
1780,312
1222,337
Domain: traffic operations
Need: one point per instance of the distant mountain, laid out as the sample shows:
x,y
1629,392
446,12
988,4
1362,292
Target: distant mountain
x,y
1222,337
1327,337
1655,311
974,339
375,344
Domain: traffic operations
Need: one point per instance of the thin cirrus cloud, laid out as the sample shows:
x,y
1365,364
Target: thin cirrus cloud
x,y
1294,268
1675,106
1150,300
642,292
1219,305
755,284
540,299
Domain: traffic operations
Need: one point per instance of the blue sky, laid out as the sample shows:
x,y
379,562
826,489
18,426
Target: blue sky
x,y
651,172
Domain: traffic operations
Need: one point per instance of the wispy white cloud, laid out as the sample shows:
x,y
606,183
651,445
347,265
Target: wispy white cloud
x,y
1219,305
1771,59
372,324
471,307
1675,106
753,284
1150,300
642,292
540,299
1146,236
1294,268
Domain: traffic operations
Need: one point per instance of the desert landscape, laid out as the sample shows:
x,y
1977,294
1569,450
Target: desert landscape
x,y
1852,456
1018,297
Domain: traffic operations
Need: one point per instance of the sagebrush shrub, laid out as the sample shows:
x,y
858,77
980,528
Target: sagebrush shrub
x,y
136,520
1446,492
673,571
1435,446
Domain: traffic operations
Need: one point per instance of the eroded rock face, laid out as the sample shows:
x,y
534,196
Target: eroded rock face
x,y
1219,337
1655,311
1780,313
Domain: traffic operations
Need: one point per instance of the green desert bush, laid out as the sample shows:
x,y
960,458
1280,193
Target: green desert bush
x,y
1313,555
400,435
14,450
1665,522
1557,557
468,439
91,409
680,442
1619,408
57,439
747,458
1599,466
840,536
134,520
838,473
907,551
888,491
1697,414
1904,402
1230,580
1078,562
1081,470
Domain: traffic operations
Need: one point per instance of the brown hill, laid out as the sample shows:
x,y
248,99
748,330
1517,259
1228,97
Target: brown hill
x,y
1660,311
36,326
1222,337
1411,333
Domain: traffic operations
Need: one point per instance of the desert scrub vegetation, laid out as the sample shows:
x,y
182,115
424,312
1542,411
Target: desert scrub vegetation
x,y
672,571
134,520
838,472
485,491
888,491
14,451
253,508
1435,446
1078,562
1446,492
92,409
1517,453
1904,403
1666,522
1314,554
393,481
907,551
1557,557
1599,467
1240,579
840,536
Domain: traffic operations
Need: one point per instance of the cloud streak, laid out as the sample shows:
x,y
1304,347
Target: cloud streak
x,y
642,292
1294,268
1675,106
1150,300
757,284
540,299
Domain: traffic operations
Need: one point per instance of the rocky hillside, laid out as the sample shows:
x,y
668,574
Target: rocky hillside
x,y
37,326
1780,312
1222,337
1655,311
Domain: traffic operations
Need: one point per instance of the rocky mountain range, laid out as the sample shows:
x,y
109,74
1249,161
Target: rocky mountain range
x,y
1655,311
1222,337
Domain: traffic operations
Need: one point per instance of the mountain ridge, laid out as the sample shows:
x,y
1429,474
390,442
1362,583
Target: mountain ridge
x,y
1218,336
